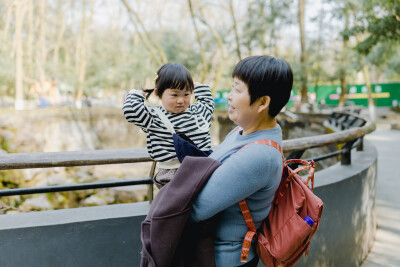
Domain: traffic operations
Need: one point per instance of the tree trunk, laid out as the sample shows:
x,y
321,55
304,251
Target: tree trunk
x,y
303,56
221,46
204,62
8,7
343,72
29,49
232,11
319,44
19,20
274,42
63,24
371,104
41,50
85,22
141,36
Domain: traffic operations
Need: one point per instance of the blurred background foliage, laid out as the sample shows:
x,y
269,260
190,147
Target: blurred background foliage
x,y
104,48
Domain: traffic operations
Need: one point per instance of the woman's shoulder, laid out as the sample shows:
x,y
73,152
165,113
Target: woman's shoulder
x,y
261,151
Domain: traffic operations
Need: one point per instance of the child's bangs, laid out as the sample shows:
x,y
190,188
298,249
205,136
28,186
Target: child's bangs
x,y
179,84
179,80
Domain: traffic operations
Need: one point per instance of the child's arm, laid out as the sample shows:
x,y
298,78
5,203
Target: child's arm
x,y
204,101
136,111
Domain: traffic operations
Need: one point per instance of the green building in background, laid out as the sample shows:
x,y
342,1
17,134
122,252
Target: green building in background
x,y
384,95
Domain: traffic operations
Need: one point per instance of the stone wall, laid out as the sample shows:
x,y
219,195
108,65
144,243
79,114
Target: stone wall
x,y
64,129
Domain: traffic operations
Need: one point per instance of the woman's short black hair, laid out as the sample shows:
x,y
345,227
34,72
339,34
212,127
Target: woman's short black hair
x,y
266,76
173,76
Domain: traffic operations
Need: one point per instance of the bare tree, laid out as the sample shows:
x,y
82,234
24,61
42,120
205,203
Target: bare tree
x,y
82,46
155,50
19,20
365,69
30,38
8,7
221,47
60,35
343,72
303,55
41,49
199,41
234,26
274,41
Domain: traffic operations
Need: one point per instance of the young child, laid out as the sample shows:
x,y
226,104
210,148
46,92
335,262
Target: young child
x,y
176,128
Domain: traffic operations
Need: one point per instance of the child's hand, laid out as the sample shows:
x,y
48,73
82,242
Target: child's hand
x,y
138,92
196,84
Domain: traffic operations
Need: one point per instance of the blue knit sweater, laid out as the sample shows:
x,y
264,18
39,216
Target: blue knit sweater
x,y
253,173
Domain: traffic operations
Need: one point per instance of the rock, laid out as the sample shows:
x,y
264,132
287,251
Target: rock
x,y
101,198
56,179
37,203
128,194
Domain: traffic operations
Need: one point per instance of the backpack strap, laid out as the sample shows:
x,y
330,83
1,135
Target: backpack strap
x,y
245,209
250,234
268,143
308,165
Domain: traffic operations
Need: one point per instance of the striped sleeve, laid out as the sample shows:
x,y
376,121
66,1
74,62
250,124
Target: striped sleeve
x,y
204,105
136,111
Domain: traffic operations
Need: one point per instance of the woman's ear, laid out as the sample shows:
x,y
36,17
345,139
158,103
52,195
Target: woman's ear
x,y
264,103
156,91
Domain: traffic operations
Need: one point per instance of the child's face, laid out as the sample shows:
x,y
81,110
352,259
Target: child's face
x,y
175,100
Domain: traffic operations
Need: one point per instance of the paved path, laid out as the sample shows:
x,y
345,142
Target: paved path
x,y
386,248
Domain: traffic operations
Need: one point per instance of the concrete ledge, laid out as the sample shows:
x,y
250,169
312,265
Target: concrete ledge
x,y
94,236
110,235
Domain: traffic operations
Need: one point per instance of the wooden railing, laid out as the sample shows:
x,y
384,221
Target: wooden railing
x,y
295,147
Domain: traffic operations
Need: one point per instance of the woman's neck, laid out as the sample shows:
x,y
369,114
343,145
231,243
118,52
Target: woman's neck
x,y
265,124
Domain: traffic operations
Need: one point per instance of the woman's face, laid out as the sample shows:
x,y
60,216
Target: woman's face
x,y
240,110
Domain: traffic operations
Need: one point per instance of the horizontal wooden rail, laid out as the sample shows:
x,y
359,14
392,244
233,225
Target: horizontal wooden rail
x,y
132,155
327,139
72,158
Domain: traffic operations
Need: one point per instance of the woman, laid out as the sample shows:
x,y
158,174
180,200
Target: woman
x,y
261,88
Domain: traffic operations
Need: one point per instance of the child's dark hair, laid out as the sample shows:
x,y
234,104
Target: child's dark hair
x,y
173,76
266,76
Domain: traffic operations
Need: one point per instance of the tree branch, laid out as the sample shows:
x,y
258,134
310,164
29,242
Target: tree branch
x,y
198,36
137,21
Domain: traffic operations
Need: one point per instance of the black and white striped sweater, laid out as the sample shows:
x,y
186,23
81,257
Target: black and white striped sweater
x,y
194,122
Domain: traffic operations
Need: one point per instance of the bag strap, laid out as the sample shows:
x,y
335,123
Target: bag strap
x,y
165,120
268,143
308,165
264,142
245,209
250,234
206,125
